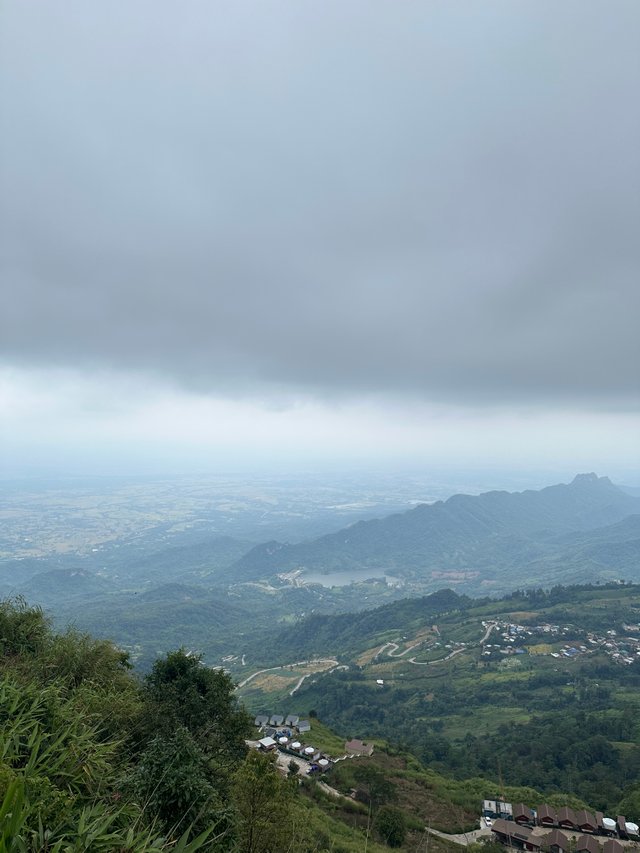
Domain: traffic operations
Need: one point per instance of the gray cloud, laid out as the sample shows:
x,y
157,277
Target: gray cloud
x,y
438,198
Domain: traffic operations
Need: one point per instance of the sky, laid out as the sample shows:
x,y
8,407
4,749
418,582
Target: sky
x,y
319,233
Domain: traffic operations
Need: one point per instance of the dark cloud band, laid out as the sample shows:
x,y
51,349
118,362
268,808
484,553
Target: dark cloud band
x,y
337,198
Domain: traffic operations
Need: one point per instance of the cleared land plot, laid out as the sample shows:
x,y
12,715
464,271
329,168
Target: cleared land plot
x,y
285,678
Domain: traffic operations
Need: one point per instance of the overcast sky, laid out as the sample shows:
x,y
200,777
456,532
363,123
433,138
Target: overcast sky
x,y
314,231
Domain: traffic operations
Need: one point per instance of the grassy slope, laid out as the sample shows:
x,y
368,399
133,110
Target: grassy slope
x,y
470,695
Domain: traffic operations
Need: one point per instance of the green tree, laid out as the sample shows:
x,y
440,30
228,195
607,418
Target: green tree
x,y
172,780
390,825
373,788
182,691
58,780
264,807
630,804
24,630
69,710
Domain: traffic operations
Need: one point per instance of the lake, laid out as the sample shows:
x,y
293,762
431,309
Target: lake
x,y
346,576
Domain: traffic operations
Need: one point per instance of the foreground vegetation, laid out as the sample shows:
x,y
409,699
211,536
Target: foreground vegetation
x,y
92,759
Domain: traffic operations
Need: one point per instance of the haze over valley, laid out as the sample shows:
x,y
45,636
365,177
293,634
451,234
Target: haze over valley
x,y
319,400
208,563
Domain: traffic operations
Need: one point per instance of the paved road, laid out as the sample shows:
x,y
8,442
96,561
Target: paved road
x,y
391,653
298,684
394,648
463,838
490,628
287,666
440,660
455,652
283,760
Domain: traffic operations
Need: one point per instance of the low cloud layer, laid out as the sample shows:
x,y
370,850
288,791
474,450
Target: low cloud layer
x,y
435,199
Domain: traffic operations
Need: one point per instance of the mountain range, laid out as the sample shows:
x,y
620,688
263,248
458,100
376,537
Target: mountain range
x,y
219,594
589,525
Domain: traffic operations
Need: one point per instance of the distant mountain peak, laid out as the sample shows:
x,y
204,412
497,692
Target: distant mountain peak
x,y
587,479
467,540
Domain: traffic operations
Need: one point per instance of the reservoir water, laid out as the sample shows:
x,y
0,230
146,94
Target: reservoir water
x,y
347,576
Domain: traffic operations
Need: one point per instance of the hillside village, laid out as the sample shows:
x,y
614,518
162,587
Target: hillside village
x,y
544,828
286,735
558,831
562,641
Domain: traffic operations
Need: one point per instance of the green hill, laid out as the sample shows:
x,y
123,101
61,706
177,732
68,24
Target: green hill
x,y
538,688
347,634
487,542
93,759
152,593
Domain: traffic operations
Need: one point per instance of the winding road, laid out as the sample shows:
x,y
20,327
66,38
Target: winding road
x,y
392,652
289,666
439,660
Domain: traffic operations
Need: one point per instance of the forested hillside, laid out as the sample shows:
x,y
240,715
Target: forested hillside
x,y
151,593
346,634
92,759
539,688
493,539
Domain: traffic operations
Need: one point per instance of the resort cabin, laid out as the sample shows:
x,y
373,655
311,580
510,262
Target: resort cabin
x,y
357,747
555,841
566,818
586,822
588,844
612,846
513,835
547,816
505,810
522,814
